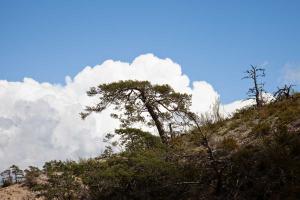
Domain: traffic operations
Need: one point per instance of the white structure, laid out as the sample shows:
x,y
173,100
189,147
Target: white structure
x,y
12,175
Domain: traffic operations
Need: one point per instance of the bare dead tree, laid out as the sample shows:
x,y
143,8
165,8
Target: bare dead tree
x,y
256,91
284,93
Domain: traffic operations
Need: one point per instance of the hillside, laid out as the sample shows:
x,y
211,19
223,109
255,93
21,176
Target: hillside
x,y
253,155
252,125
18,192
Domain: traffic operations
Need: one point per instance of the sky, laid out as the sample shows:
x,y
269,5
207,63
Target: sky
x,y
52,52
215,41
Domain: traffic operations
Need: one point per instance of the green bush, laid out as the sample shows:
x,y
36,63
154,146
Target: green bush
x,y
264,164
31,176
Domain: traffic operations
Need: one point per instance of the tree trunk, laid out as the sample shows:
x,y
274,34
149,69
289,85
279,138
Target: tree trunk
x,y
257,93
158,124
155,118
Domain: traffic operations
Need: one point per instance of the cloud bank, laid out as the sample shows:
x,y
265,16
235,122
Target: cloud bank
x,y
40,121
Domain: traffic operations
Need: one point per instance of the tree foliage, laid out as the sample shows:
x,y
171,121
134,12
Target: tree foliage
x,y
31,176
141,101
137,140
210,161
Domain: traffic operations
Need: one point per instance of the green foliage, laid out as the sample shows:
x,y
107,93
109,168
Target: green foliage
x,y
31,177
64,186
199,164
61,182
138,176
142,171
270,171
140,101
137,140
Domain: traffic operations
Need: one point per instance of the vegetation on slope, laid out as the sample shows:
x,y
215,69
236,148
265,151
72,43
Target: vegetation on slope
x,y
253,155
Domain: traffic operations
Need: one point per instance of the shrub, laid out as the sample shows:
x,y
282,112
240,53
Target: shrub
x,y
261,129
229,144
31,176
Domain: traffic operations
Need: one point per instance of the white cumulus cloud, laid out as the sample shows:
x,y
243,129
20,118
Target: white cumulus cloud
x,y
40,121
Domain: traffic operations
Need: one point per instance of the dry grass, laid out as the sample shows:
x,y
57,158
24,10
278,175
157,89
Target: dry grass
x,y
17,192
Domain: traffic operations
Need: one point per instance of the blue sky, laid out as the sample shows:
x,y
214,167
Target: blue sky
x,y
213,41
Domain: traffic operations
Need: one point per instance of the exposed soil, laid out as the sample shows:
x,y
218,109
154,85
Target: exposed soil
x,y
17,192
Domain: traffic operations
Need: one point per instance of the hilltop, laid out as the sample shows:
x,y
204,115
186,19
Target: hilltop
x,y
253,155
